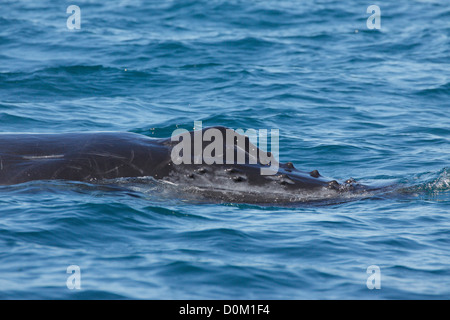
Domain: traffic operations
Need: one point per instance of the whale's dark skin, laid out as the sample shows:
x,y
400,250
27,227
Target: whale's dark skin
x,y
91,157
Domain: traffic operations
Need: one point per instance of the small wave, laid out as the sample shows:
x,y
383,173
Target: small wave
x,y
442,90
431,183
438,184
12,119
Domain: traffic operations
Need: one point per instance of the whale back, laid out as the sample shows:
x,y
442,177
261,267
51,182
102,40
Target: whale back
x,y
79,156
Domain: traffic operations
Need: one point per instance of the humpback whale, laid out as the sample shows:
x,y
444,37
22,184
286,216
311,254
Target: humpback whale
x,y
99,156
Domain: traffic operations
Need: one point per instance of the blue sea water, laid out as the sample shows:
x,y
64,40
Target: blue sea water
x,y
372,104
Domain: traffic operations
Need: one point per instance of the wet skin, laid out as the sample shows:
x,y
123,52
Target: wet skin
x,y
108,155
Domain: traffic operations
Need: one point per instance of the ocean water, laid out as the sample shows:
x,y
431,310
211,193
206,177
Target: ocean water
x,y
349,101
